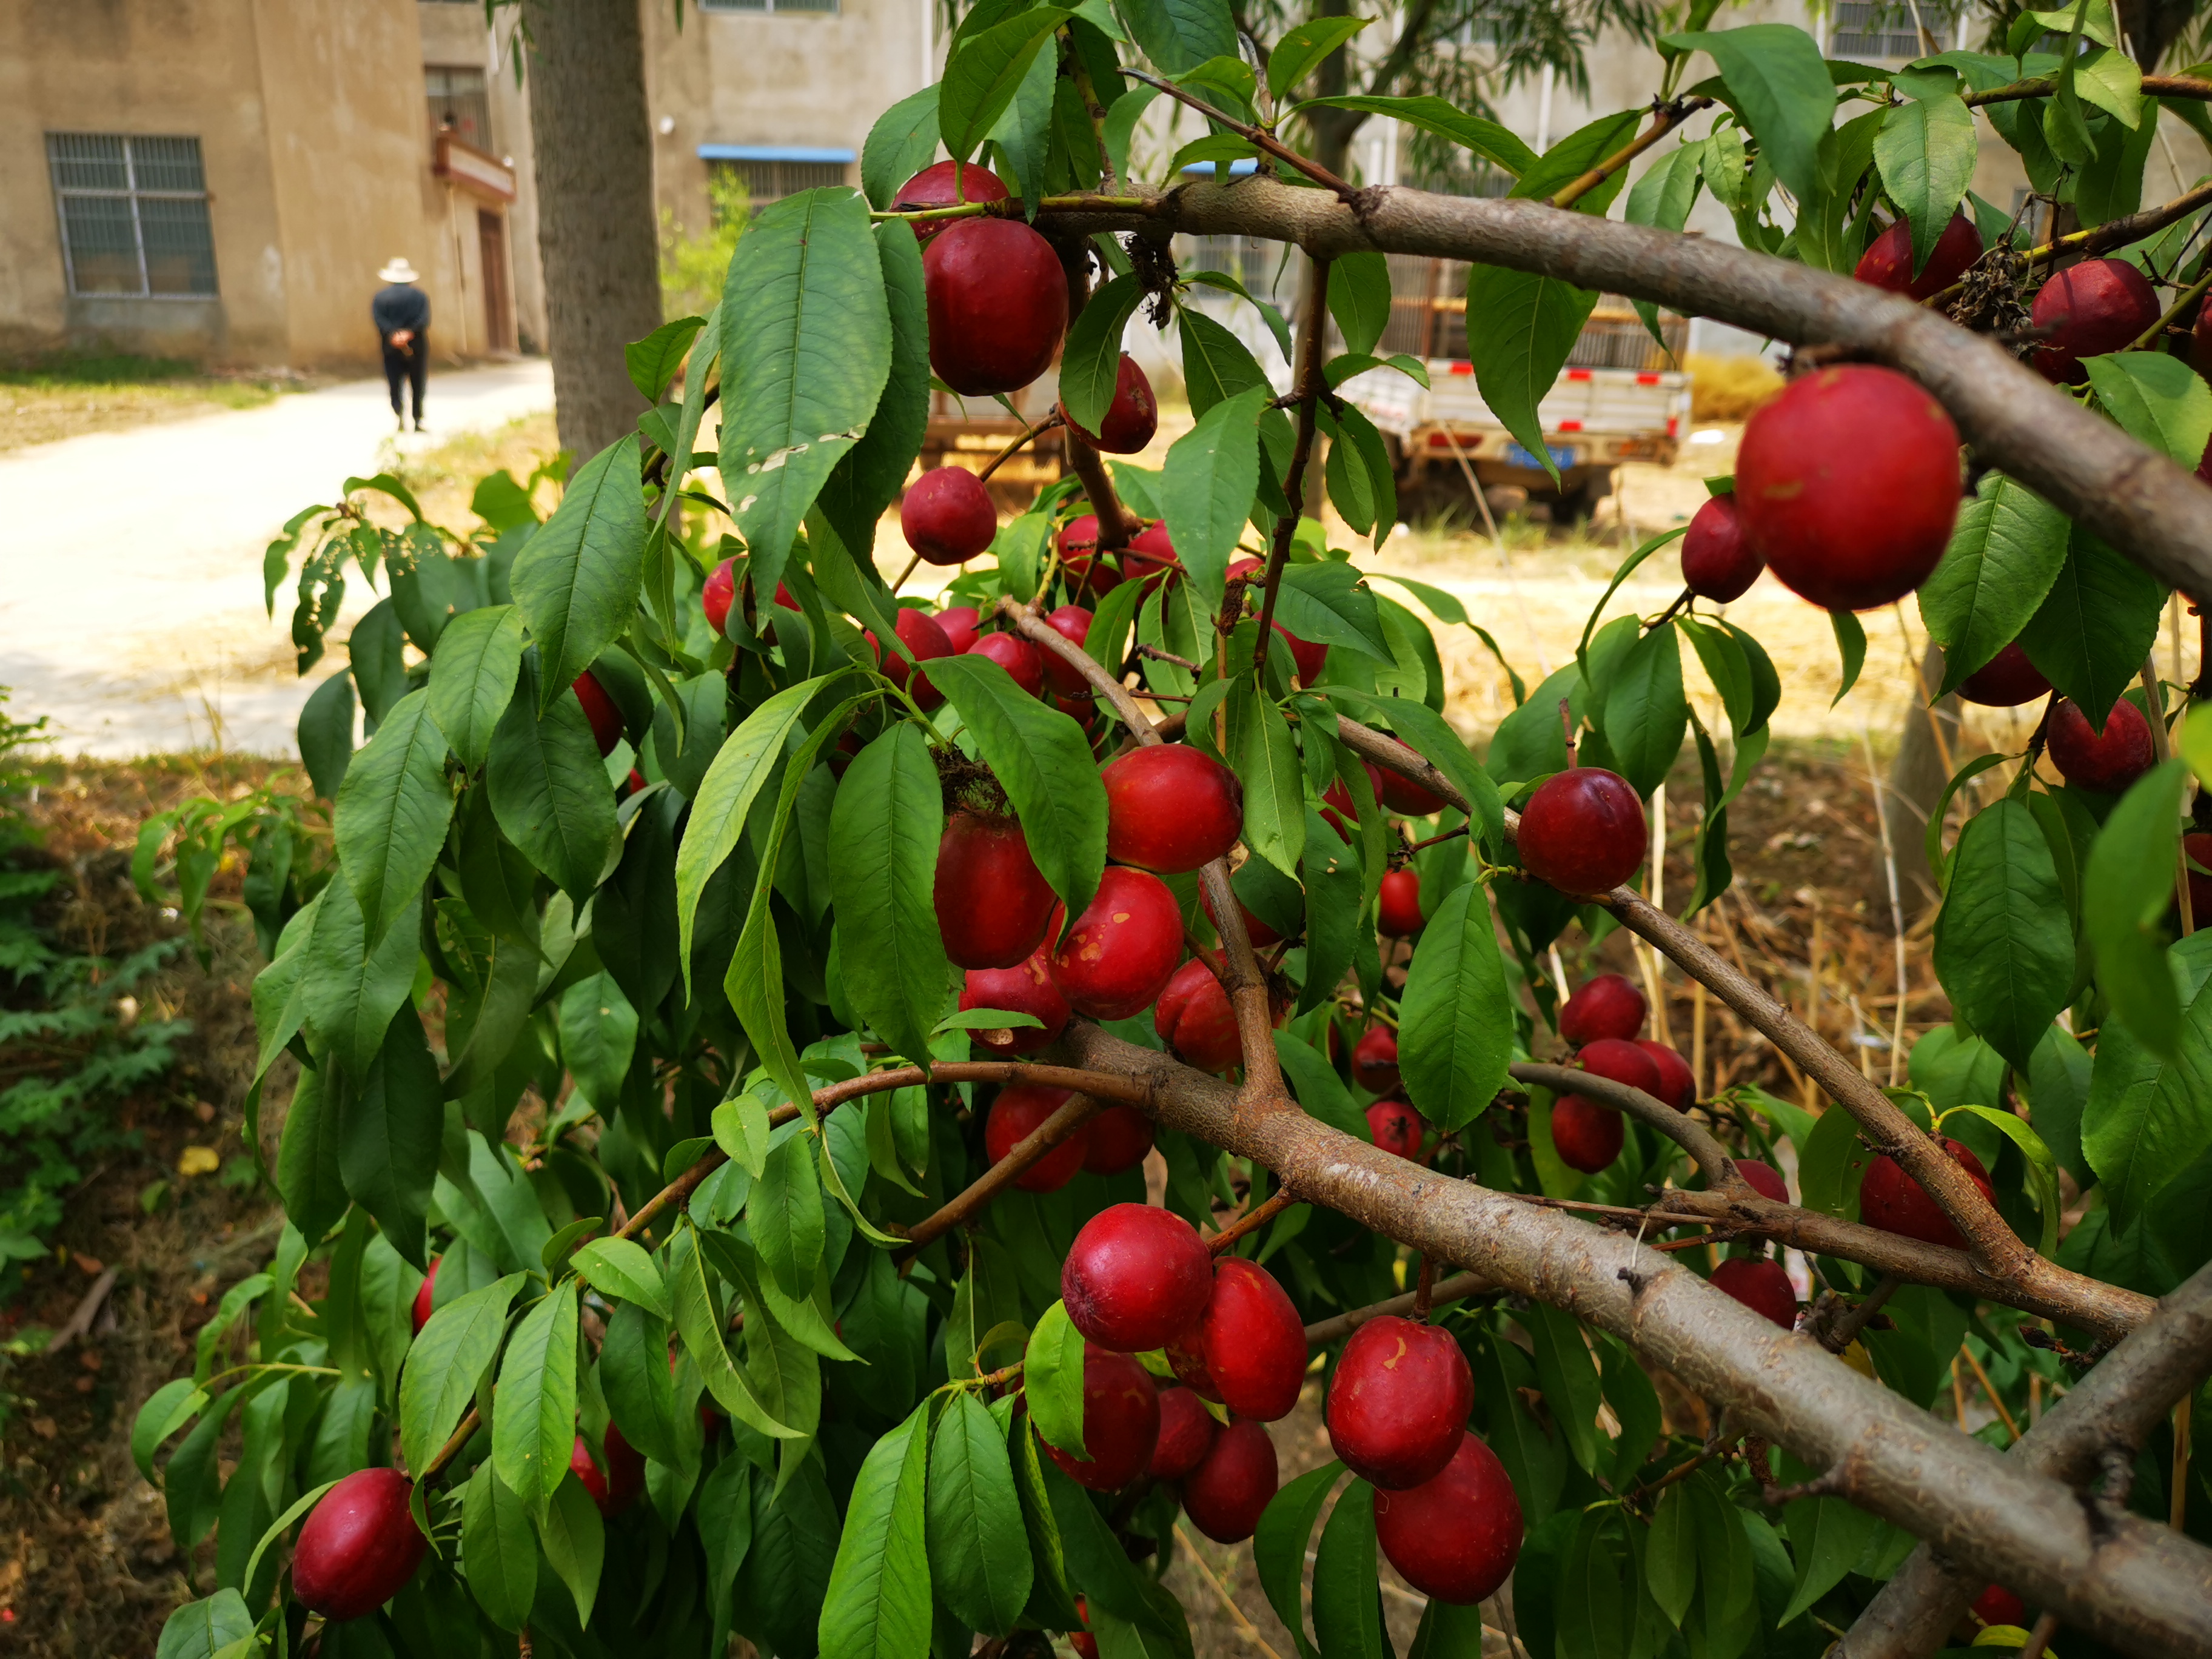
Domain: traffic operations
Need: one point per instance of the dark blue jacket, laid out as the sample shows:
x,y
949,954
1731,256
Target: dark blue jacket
x,y
401,305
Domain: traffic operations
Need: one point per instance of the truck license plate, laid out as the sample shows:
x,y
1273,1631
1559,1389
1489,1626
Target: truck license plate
x,y
1563,455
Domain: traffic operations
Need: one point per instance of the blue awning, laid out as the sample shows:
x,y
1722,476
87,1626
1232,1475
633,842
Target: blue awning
x,y
774,153
1242,169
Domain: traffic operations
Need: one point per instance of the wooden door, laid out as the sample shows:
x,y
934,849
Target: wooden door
x,y
499,301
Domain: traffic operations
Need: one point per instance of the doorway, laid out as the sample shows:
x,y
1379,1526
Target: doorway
x,y
498,295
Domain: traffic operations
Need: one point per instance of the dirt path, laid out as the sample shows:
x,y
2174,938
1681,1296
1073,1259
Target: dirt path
x,y
130,598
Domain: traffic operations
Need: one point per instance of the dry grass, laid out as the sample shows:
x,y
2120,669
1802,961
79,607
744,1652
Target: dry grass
x,y
63,397
1729,388
445,476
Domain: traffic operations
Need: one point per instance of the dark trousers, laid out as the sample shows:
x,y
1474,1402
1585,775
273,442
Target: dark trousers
x,y
412,365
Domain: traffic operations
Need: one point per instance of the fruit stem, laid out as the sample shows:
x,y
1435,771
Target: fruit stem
x,y
1425,1288
1567,731
1843,1332
912,565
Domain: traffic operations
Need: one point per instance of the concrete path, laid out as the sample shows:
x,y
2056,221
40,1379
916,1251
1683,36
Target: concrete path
x,y
130,596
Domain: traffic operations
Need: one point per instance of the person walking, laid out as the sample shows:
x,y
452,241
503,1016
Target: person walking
x,y
401,312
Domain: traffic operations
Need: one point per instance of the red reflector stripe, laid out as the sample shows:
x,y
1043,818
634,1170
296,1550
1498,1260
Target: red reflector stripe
x,y
1647,379
1578,375
1571,426
1463,368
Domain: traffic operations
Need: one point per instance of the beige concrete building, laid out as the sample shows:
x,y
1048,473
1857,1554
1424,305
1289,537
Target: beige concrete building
x,y
220,180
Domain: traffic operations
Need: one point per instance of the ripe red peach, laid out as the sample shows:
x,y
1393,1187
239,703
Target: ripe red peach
x,y
1248,1348
1848,485
1131,418
1118,956
424,1295
1018,1112
1606,1007
600,709
1072,623
1090,574
1584,830
1021,659
1999,1606
1762,1285
1676,1087
2108,761
918,631
1151,558
359,1547
719,593
1398,904
946,184
1187,1431
1171,807
1136,1278
1119,1138
2088,310
1396,1127
1402,794
1588,1136
1254,929
1375,1060
1888,262
1455,1538
1024,989
2005,681
946,516
1120,1422
1399,1401
998,305
962,623
992,902
1193,1018
1717,563
1892,1201
1226,1494
1764,1179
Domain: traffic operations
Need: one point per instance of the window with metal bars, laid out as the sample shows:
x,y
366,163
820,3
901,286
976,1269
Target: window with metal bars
x,y
770,181
134,215
459,103
819,7
1885,28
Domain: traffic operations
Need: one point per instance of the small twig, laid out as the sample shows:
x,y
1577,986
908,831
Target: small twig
x,y
1665,118
1457,1288
1425,1288
1250,1222
1245,1627
1006,454
912,565
1989,1388
1309,382
1158,655
2038,1639
1840,1336
1266,141
1073,1115
2194,292
79,1323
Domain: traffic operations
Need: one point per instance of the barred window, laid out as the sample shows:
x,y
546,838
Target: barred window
x,y
769,181
1885,29
820,7
459,103
134,215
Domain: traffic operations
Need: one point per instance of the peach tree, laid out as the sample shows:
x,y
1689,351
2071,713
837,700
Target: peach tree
x,y
742,1005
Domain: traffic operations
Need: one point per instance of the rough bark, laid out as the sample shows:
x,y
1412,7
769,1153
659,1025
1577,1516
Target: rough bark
x,y
595,223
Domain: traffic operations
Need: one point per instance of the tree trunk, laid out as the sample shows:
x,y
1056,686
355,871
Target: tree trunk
x,y
1917,779
595,220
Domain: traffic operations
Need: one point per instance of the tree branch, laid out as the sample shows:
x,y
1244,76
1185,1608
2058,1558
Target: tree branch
x,y
1311,327
1457,1288
2133,499
1665,118
2154,86
1258,137
1115,526
1072,1114
1711,1158
2122,1579
2121,1400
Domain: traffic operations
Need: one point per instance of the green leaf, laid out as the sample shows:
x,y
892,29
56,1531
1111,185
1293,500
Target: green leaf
x,y
1777,81
741,1130
1092,360
1724,1619
1266,761
387,1133
2004,949
206,1630
748,758
577,578
445,1364
700,1326
902,142
1926,151
2160,402
1348,1601
1520,328
598,1035
784,1214
979,1550
167,1409
1827,1536
1431,736
349,991
1670,1555
1444,120
1850,645
1206,488
1455,1022
1568,1378
498,1554
1052,1380
884,827
325,733
1279,1548
1330,603
575,1542
1360,296
534,1426
654,360
1178,35
549,790
1301,49
634,1374
806,352
1645,709
621,1269
392,812
472,677
985,69
878,1601
2126,889
1044,762
307,1177
2042,1167
2092,631
2006,551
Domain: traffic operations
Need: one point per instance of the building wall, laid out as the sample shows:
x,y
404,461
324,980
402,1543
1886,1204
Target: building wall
x,y
772,78
182,68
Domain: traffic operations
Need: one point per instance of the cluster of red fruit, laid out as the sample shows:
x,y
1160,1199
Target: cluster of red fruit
x,y
1139,1280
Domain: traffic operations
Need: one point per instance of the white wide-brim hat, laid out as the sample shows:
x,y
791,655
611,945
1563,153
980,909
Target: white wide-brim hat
x,y
397,271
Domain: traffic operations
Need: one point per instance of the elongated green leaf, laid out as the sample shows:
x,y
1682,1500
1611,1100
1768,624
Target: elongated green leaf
x,y
2003,948
1827,1536
1179,35
577,579
1206,488
1493,143
883,831
1279,1548
785,1214
873,472
1042,760
1347,1598
1092,361
1777,81
2094,627
549,790
498,1552
534,1425
979,1550
697,1322
598,1035
1670,1556
1926,151
387,1133
2006,551
2126,889
1052,1380
985,69
1456,1023
307,1177
2042,1167
350,991
634,1374
806,350
1301,50
472,677
1570,1381
2160,401
1646,710
902,142
575,1542
2145,1121
618,1267
1359,299
1520,328
209,1629
445,1364
392,812
877,1605
1330,603
654,360
1266,761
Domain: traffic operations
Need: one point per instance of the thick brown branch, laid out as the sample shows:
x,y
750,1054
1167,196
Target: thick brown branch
x,y
2154,86
1311,330
2120,1400
1664,120
2127,1582
1072,1116
1457,1288
2133,499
